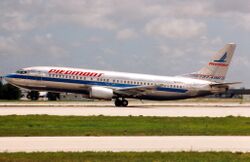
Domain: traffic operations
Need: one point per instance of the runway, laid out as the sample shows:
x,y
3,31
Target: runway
x,y
131,104
171,111
118,144
125,143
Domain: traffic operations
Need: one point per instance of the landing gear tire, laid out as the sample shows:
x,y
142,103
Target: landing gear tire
x,y
118,103
121,103
124,103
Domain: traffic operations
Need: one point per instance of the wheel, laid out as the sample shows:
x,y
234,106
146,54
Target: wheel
x,y
118,103
124,103
33,95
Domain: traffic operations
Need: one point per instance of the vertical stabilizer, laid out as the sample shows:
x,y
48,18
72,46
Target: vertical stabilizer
x,y
217,68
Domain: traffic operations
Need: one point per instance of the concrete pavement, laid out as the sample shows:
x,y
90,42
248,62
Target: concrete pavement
x,y
117,144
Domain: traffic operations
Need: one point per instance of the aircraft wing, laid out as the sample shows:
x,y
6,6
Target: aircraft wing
x,y
134,91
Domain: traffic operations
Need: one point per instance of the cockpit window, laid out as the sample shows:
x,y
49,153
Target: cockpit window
x,y
21,72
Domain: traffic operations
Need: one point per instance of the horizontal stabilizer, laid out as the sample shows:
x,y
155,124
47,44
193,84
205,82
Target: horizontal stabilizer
x,y
223,84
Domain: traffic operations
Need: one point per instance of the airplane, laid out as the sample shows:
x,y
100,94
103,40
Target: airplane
x,y
108,85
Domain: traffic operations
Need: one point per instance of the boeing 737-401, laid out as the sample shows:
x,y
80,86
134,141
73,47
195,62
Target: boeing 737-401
x,y
108,85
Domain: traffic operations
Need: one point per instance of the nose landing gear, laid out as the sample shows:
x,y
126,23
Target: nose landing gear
x,y
121,102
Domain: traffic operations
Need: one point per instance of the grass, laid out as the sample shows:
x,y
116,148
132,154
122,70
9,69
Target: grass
x,y
126,156
44,125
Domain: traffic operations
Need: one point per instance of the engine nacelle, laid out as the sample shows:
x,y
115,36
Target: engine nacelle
x,y
101,93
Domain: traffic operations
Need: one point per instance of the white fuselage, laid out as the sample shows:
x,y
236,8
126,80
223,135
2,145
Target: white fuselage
x,y
74,80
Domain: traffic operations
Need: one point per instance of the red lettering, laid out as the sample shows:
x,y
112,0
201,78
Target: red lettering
x,y
68,72
86,73
100,74
80,73
92,74
61,71
75,72
217,64
52,70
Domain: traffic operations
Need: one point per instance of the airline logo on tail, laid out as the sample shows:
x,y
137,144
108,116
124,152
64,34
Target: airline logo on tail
x,y
222,59
220,62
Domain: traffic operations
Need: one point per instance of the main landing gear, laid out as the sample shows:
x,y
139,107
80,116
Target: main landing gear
x,y
121,102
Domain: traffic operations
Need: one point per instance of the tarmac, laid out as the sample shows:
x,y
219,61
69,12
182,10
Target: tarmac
x,y
169,110
124,143
131,104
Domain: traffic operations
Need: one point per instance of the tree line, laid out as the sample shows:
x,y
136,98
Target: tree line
x,y
10,92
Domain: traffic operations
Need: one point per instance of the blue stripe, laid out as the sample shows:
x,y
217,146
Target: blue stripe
x,y
85,82
171,90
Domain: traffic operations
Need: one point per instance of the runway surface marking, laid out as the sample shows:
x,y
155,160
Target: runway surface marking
x,y
117,144
133,111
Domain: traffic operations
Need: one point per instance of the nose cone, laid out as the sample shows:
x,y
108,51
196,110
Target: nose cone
x,y
8,78
12,79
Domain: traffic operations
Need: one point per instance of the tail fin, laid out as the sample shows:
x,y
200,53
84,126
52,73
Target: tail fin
x,y
217,68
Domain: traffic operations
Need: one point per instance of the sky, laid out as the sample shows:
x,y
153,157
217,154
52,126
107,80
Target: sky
x,y
161,37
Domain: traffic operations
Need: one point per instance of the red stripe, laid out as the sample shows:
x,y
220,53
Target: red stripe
x,y
217,64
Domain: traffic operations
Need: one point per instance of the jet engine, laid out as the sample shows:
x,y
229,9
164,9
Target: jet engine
x,y
101,93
